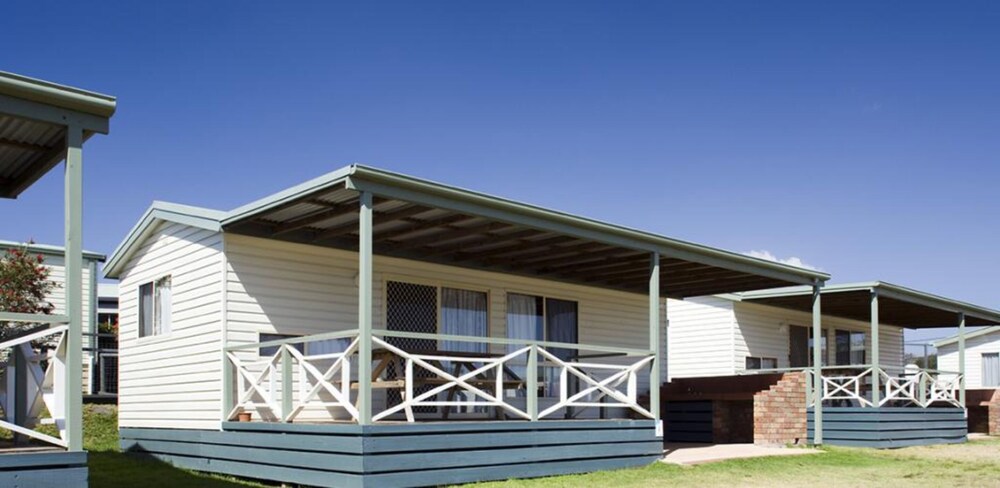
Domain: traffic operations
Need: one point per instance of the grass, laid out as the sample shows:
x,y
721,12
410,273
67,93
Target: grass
x,y
975,464
110,468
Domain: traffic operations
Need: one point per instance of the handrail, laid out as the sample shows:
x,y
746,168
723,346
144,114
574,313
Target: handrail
x,y
512,342
343,334
33,318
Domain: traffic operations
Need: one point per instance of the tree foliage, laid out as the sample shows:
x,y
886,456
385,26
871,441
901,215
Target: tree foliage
x,y
24,286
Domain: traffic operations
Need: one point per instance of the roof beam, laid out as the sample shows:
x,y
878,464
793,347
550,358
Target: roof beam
x,y
23,145
419,225
487,237
385,217
310,219
452,233
586,257
510,249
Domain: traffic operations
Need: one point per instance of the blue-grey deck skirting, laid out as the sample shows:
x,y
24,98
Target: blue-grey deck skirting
x,y
402,455
47,469
890,427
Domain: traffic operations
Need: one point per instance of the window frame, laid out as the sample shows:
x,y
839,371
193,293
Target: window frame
x,y
982,367
545,311
438,285
760,360
155,312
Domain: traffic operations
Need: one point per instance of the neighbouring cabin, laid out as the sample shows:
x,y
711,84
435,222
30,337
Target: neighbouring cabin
x,y
41,125
982,357
371,329
754,377
55,261
982,365
719,336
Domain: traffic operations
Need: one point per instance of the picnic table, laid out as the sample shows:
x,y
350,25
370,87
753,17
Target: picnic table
x,y
388,372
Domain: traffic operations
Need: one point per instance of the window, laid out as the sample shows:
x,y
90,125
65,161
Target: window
x,y
991,369
850,347
542,319
761,363
429,309
268,351
536,318
464,312
801,346
154,307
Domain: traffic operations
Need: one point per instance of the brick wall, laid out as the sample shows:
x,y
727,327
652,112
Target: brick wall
x,y
732,421
779,413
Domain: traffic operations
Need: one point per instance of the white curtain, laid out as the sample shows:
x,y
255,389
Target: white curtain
x,y
524,319
146,310
463,312
991,369
163,306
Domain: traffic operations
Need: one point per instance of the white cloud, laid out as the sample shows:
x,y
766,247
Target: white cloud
x,y
793,261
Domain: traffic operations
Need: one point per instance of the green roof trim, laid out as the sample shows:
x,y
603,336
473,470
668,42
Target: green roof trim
x,y
884,289
199,217
981,332
50,250
57,95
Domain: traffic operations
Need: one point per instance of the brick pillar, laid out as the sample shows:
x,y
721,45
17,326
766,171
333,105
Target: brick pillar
x,y
994,413
779,413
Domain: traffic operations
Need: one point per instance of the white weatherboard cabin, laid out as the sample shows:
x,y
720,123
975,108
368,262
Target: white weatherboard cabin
x,y
41,125
743,367
982,364
367,328
55,261
982,357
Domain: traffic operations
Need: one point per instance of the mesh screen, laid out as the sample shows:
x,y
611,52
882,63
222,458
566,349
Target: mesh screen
x,y
410,308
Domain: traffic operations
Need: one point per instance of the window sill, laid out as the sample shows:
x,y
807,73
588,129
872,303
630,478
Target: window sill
x,y
154,339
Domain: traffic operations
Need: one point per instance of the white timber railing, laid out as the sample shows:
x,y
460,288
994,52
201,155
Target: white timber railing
x,y
896,386
33,382
292,384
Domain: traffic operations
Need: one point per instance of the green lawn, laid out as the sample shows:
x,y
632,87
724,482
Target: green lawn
x,y
975,464
110,468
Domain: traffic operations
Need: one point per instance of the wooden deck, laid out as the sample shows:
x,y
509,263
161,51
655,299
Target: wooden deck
x,y
41,467
403,454
891,427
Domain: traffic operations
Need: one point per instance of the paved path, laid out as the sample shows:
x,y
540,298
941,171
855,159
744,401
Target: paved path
x,y
692,453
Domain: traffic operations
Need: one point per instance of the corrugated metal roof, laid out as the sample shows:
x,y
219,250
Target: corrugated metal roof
x,y
898,305
33,118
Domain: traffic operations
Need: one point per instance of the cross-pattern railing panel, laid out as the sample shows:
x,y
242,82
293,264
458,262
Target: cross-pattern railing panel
x,y
44,372
289,382
918,388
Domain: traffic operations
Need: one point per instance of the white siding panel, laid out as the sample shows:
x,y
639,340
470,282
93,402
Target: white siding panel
x,y
173,380
762,331
700,337
974,350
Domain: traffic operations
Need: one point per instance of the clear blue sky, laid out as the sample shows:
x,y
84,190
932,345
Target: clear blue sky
x,y
861,138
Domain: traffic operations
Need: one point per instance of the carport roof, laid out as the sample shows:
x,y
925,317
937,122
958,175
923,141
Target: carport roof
x,y
427,221
34,115
897,305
